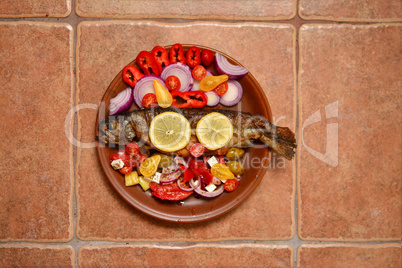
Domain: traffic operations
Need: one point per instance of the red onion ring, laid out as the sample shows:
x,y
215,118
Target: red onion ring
x,y
218,190
212,98
186,189
223,66
122,102
170,178
181,71
233,95
144,86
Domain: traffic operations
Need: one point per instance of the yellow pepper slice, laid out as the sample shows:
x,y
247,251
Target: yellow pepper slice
x,y
208,83
163,96
144,184
222,172
150,165
131,178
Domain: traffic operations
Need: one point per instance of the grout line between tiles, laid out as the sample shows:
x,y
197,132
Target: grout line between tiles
x,y
295,242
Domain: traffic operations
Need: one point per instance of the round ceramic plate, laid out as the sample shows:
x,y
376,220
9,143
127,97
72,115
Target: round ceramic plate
x,y
194,208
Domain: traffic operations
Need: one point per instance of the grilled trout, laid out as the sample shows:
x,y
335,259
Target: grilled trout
x,y
123,129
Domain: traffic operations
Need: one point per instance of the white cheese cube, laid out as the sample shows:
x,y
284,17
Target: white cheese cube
x,y
210,188
117,164
212,161
157,177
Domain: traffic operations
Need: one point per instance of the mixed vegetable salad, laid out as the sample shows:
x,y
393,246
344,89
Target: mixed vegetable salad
x,y
180,80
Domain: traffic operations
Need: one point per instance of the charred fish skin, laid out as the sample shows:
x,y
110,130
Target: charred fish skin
x,y
116,130
247,128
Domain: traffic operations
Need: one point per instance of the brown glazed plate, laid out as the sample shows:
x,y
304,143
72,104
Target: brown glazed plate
x,y
194,208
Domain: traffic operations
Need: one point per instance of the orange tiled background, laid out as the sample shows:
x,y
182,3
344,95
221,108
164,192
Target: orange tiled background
x,y
331,72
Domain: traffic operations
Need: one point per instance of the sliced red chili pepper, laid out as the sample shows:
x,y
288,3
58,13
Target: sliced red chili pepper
x,y
193,56
145,60
131,75
176,54
198,99
188,175
161,57
189,99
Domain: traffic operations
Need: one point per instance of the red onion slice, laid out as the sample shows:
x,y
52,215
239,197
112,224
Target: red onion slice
x,y
122,102
223,66
196,84
179,182
198,190
144,86
233,95
212,98
181,71
170,178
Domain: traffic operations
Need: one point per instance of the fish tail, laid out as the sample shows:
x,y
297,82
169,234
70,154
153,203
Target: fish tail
x,y
280,139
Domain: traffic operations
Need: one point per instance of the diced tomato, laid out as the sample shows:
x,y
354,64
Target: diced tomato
x,y
132,148
208,177
176,54
196,164
169,191
188,175
199,72
137,159
149,100
231,185
197,149
126,170
172,83
131,75
221,89
145,60
193,56
120,155
161,57
221,159
207,58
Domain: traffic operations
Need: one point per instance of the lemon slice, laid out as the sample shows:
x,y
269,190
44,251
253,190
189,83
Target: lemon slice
x,y
214,131
169,131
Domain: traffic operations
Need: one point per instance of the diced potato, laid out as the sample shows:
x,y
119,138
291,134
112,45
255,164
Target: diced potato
x,y
144,184
131,179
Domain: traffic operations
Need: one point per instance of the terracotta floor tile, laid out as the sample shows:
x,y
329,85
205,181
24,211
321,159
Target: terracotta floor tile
x,y
192,256
188,9
36,184
350,10
350,76
32,255
349,255
35,8
102,213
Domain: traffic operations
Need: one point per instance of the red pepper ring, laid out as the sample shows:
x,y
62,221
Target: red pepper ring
x,y
131,75
146,61
189,99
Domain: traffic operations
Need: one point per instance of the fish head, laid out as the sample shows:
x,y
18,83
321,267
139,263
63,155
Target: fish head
x,y
117,130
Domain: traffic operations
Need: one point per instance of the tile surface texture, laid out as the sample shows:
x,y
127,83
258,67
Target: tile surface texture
x,y
102,213
193,256
36,184
30,255
351,10
350,86
35,8
349,255
189,9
